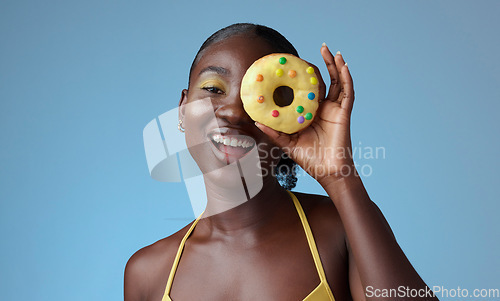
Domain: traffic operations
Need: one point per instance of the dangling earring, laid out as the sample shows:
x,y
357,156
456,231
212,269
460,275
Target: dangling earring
x,y
179,126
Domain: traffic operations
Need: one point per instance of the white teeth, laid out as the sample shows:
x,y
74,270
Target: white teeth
x,y
234,142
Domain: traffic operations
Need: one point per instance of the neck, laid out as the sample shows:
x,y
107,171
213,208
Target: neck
x,y
229,210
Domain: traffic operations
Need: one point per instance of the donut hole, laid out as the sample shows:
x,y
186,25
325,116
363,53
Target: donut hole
x,y
283,96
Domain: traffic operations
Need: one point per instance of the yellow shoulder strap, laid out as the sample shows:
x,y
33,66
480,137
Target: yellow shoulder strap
x,y
177,258
310,238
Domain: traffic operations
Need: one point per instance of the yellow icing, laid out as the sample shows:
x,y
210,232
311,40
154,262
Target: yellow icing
x,y
301,84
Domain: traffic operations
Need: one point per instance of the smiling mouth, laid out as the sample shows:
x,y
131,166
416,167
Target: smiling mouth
x,y
235,146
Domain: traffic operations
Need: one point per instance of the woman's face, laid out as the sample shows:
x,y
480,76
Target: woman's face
x,y
213,114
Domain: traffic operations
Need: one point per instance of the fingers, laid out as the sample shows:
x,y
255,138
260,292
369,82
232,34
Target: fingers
x,y
339,61
280,139
335,87
347,89
341,86
344,80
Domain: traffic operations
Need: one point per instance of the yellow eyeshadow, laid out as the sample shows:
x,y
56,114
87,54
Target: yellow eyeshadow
x,y
212,83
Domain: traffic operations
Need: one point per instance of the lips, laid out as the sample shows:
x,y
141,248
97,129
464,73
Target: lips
x,y
230,143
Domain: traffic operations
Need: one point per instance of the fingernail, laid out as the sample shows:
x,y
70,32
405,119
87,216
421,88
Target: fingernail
x,y
323,45
258,125
338,52
345,64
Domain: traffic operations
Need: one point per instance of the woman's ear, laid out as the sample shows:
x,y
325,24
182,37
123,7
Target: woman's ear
x,y
182,101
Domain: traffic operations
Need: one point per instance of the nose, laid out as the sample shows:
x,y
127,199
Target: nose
x,y
231,110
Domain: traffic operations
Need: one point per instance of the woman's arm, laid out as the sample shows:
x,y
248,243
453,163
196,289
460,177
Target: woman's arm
x,y
324,151
380,262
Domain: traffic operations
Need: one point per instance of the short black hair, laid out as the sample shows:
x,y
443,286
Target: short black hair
x,y
275,39
286,169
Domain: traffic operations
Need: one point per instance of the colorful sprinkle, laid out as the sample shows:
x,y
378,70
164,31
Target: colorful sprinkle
x,y
300,109
275,113
314,80
292,73
311,96
260,77
310,70
300,119
309,116
260,99
282,60
279,72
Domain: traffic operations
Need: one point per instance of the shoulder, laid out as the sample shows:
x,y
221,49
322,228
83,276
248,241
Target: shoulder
x,y
147,270
325,222
330,238
318,207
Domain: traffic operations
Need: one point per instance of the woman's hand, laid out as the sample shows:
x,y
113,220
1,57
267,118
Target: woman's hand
x,y
324,148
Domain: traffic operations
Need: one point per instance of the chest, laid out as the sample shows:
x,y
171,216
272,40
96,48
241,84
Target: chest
x,y
283,269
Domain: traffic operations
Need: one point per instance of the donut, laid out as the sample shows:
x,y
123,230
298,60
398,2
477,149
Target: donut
x,y
281,91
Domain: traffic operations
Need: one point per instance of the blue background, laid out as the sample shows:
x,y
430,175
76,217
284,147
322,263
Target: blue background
x,y
80,80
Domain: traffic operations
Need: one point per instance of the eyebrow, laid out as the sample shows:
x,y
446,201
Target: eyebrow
x,y
218,70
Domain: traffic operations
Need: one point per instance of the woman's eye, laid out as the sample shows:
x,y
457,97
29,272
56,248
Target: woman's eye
x,y
213,90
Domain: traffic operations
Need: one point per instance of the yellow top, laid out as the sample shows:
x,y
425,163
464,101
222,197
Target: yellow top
x,y
321,293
